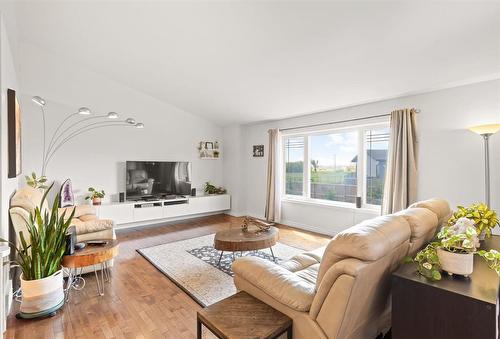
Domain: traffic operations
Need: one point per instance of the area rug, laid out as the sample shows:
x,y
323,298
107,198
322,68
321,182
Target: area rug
x,y
193,265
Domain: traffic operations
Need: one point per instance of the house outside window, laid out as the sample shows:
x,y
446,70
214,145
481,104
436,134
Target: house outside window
x,y
335,166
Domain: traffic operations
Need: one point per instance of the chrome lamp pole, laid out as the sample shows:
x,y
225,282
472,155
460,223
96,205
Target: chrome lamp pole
x,y
486,131
81,123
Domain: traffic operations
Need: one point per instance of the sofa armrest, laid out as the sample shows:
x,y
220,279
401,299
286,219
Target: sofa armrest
x,y
276,281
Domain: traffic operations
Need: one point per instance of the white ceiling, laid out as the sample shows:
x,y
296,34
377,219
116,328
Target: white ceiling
x,y
242,62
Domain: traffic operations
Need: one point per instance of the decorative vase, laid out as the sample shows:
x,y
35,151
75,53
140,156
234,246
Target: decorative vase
x,y
96,201
456,263
41,297
481,236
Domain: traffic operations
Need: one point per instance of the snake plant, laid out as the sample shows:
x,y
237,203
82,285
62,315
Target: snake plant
x,y
42,255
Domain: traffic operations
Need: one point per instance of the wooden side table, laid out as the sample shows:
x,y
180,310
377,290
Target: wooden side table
x,y
90,255
454,307
243,316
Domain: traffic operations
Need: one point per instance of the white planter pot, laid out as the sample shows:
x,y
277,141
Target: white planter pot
x,y
43,296
456,263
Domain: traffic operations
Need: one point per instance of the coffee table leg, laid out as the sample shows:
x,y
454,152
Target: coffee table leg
x,y
100,284
220,258
198,329
272,253
289,333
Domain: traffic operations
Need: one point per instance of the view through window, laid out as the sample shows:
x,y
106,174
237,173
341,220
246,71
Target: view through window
x,y
330,163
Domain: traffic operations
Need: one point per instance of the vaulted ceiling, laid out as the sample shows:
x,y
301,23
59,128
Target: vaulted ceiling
x,y
239,62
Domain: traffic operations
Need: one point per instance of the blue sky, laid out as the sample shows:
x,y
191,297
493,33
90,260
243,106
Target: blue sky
x,y
334,149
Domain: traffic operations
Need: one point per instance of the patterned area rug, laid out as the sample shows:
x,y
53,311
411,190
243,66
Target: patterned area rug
x,y
193,265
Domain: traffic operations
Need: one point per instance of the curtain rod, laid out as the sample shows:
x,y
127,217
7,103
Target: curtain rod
x,y
339,122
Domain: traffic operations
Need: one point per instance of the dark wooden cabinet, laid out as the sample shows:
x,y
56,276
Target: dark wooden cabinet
x,y
454,307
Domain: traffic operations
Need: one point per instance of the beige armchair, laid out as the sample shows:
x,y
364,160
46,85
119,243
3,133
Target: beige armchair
x,y
88,226
343,290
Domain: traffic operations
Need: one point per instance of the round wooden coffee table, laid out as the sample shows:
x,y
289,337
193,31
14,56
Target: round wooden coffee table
x,y
237,240
90,255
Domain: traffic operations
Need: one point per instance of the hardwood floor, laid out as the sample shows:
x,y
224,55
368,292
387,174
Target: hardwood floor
x,y
140,302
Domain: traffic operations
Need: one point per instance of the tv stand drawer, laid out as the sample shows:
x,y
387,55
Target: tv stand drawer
x,y
148,212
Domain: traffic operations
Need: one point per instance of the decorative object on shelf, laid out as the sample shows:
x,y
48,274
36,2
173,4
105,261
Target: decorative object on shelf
x,y
209,149
74,125
14,134
484,218
261,226
486,131
66,194
454,247
95,196
36,182
212,189
40,258
258,151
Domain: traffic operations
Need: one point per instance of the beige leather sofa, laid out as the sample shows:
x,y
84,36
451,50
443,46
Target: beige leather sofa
x,y
343,290
88,226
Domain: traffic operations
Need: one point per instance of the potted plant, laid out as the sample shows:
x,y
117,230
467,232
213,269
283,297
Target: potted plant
x,y
36,182
212,189
453,251
95,196
40,257
457,246
484,218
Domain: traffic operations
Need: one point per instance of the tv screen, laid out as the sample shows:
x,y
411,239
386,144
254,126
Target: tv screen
x,y
158,179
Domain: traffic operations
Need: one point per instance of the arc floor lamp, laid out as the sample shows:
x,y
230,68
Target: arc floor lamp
x,y
486,131
74,124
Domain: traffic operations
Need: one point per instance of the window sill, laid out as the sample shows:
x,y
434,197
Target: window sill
x,y
334,204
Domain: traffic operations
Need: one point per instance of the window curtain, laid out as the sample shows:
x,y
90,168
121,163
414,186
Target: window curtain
x,y
273,197
400,188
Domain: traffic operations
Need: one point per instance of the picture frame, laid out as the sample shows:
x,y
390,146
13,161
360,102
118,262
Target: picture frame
x,y
258,151
14,135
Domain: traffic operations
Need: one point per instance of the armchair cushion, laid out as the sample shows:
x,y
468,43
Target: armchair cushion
x,y
80,210
284,286
298,262
96,225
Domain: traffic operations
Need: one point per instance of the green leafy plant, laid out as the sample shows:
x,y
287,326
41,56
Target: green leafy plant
x,y
492,257
36,182
94,193
212,189
484,218
427,261
461,237
41,256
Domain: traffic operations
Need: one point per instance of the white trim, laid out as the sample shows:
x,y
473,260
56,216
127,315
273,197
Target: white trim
x,y
330,204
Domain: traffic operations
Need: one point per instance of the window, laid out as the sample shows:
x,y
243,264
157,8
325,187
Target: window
x,y
337,166
294,166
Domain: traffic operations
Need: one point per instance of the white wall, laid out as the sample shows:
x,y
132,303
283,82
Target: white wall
x,y
97,158
451,157
8,79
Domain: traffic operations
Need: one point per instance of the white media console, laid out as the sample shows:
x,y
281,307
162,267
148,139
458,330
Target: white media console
x,y
137,213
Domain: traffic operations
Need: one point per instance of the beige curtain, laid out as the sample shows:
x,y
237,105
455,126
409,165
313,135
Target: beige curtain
x,y
273,201
402,168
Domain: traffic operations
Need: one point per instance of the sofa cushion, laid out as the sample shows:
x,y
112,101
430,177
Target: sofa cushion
x,y
368,241
79,210
317,253
309,274
298,262
423,224
96,225
28,198
440,207
286,287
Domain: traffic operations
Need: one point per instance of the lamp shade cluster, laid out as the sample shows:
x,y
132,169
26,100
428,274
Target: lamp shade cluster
x,y
82,121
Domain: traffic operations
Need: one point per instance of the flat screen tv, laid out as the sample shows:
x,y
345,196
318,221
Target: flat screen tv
x,y
157,179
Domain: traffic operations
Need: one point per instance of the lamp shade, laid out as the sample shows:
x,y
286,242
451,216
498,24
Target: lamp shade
x,y
485,129
38,100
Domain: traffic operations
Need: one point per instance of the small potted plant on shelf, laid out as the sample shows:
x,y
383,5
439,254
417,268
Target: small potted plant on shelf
x,y
40,258
484,218
95,196
212,189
